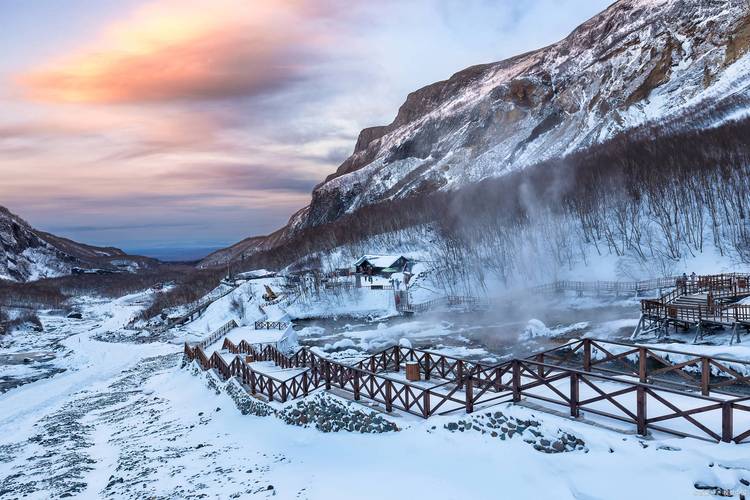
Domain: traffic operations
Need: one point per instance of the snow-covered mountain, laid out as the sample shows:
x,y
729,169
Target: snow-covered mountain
x,y
680,63
28,254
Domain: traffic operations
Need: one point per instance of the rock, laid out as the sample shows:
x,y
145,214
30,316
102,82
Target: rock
x,y
668,448
75,315
558,446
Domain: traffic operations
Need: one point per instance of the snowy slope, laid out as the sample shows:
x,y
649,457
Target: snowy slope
x,y
638,61
27,254
680,63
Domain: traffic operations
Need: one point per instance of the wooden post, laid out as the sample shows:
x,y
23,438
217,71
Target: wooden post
x,y
305,384
270,389
426,404
587,355
388,396
705,375
460,374
412,371
427,369
397,357
574,395
469,394
516,381
640,408
328,375
642,364
727,430
283,392
356,386
252,382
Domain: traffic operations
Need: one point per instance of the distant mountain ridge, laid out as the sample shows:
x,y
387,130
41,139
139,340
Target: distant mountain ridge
x,y
683,64
28,254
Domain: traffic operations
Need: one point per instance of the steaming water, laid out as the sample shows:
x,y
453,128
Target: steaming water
x,y
490,336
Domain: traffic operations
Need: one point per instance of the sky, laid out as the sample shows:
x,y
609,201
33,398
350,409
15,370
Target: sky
x,y
191,124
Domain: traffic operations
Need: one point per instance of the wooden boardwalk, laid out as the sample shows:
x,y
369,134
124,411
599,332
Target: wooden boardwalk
x,y
605,287
694,396
706,303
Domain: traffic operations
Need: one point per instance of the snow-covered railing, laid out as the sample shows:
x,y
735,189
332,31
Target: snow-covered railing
x,y
197,308
605,287
575,376
271,325
704,300
216,335
449,301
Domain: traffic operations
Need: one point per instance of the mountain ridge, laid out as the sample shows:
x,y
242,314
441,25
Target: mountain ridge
x,y
636,63
27,254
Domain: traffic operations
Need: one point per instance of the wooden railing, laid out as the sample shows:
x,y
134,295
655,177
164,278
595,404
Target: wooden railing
x,y
658,408
716,288
600,287
650,364
216,335
691,393
451,300
271,325
197,308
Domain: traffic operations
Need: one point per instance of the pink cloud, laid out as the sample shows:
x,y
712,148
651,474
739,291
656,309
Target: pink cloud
x,y
186,50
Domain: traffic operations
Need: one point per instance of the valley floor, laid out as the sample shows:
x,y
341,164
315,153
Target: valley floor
x,y
127,420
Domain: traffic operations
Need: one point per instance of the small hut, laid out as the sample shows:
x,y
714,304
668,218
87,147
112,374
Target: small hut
x,y
382,265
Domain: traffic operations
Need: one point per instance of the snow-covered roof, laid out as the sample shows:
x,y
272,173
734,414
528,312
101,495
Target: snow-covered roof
x,y
256,273
378,260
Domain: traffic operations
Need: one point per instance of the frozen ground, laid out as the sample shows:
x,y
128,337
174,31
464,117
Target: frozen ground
x,y
125,420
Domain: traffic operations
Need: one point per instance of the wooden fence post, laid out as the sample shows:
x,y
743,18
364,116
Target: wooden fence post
x,y
516,380
460,373
642,364
705,375
469,394
397,357
427,368
252,382
356,386
574,396
727,431
587,355
426,404
305,384
328,375
640,409
270,389
388,395
283,392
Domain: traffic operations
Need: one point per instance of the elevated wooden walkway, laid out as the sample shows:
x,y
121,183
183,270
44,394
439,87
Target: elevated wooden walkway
x,y
669,391
706,303
605,287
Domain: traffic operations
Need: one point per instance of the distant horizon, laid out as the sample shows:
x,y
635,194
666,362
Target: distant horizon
x,y
176,254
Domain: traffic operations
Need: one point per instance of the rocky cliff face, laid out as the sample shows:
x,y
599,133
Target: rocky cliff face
x,y
28,254
683,63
